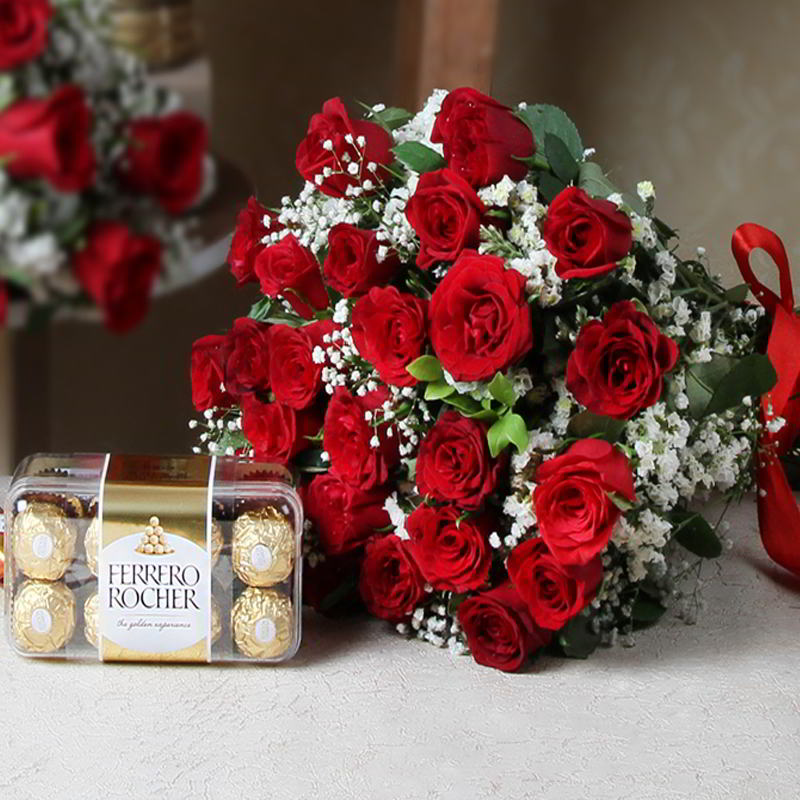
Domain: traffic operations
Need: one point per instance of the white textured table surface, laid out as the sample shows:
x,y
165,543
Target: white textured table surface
x,y
706,711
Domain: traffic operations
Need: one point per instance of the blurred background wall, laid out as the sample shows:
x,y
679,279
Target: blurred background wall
x,y
701,98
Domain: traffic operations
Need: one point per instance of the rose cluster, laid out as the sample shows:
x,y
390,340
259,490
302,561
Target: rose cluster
x,y
93,165
460,323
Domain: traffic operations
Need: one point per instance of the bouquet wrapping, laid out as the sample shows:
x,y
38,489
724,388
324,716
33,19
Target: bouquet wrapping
x,y
502,382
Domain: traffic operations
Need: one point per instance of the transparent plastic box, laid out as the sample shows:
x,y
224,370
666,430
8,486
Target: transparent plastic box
x,y
153,558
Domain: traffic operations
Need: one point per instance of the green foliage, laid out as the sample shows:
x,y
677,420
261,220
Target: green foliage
x,y
390,118
426,368
509,429
561,161
502,390
693,532
588,425
593,180
646,610
550,186
577,638
543,119
737,294
417,157
438,390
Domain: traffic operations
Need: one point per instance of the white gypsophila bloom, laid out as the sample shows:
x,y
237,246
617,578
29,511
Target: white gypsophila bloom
x,y
645,190
564,408
642,541
521,513
396,515
394,230
667,263
701,330
39,254
420,127
14,212
477,389
498,194
643,231
6,91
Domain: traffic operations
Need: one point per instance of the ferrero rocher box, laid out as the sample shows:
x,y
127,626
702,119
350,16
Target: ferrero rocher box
x,y
153,558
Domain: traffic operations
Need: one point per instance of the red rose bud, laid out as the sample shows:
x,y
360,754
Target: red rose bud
x,y
344,516
575,513
247,243
617,367
391,584
248,361
389,329
117,269
454,465
290,270
479,318
500,631
209,355
446,213
553,592
360,454
294,375
277,432
587,235
166,158
352,265
50,138
452,553
23,30
334,142
483,140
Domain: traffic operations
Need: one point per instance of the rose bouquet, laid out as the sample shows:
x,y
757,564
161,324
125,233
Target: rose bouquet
x,y
95,164
502,384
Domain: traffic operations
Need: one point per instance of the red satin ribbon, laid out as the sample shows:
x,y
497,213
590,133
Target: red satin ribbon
x,y
778,512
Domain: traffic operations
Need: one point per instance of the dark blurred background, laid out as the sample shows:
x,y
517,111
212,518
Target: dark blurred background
x,y
701,98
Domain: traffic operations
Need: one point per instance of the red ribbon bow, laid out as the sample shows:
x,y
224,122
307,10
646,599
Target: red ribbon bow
x,y
778,512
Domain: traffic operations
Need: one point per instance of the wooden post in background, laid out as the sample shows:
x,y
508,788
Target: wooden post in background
x,y
443,44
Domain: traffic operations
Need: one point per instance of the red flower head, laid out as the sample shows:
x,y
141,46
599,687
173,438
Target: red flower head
x,y
483,140
277,432
49,138
334,141
166,158
252,225
209,355
23,30
391,584
617,367
587,235
352,265
117,269
248,359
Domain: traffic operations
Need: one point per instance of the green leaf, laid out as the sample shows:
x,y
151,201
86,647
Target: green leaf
x,y
550,186
391,118
543,119
418,157
310,461
577,639
559,158
425,368
438,390
502,390
622,503
693,532
593,180
454,602
702,381
588,425
509,429
737,294
752,376
646,610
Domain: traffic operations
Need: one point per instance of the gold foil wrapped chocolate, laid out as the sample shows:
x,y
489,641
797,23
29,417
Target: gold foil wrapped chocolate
x,y
91,621
44,541
263,547
91,543
262,621
43,616
154,540
216,621
216,541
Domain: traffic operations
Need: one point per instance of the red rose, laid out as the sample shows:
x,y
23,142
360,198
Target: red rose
x,y
617,367
50,138
453,553
391,584
479,318
290,270
166,158
295,377
575,513
246,243
277,432
117,268
248,361
349,439
389,331
454,464
23,30
483,140
446,213
334,125
587,235
208,372
499,629
352,265
344,516
554,592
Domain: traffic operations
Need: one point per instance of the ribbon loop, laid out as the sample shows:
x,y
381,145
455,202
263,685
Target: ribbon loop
x,y
749,237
